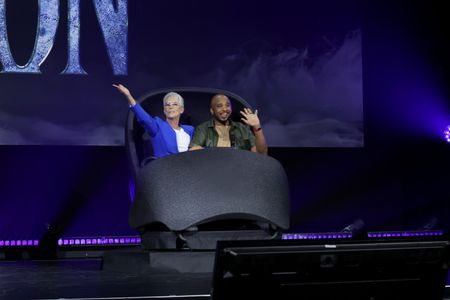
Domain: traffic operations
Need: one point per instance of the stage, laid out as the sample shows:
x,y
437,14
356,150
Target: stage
x,y
83,278
132,272
353,99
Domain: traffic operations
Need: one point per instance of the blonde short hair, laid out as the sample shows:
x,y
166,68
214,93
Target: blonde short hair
x,y
174,95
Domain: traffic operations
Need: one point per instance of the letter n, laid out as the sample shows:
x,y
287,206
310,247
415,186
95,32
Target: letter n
x,y
114,25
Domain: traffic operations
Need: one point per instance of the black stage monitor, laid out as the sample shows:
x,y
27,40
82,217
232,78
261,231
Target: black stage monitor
x,y
331,269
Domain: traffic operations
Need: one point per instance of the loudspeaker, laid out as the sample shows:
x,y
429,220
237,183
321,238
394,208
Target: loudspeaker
x,y
331,269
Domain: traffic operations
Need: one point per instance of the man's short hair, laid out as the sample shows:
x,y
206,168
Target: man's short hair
x,y
216,96
177,96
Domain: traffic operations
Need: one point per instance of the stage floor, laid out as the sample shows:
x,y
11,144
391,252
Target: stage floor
x,y
84,279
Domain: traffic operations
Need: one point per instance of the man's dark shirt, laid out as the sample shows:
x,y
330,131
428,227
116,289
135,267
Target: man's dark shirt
x,y
206,136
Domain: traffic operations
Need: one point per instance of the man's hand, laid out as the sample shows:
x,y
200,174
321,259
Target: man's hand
x,y
195,147
250,118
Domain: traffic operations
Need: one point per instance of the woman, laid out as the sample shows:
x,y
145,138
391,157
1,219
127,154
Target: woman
x,y
168,136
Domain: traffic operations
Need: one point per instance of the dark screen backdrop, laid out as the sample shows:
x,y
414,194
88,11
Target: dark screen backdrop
x,y
298,62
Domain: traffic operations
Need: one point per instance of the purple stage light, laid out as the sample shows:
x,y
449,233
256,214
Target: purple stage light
x,y
102,241
447,133
18,243
395,234
316,236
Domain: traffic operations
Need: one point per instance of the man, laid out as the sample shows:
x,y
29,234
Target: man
x,y
221,131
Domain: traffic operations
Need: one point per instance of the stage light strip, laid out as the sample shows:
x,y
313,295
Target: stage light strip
x,y
316,236
447,133
394,234
208,296
18,243
99,241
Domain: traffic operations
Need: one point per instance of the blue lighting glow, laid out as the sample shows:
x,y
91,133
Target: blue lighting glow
x,y
18,243
316,236
99,241
447,133
396,234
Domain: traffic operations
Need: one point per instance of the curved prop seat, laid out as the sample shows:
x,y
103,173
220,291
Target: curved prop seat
x,y
138,143
197,187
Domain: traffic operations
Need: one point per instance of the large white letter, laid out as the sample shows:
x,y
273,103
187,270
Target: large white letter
x,y
114,27
73,60
45,37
